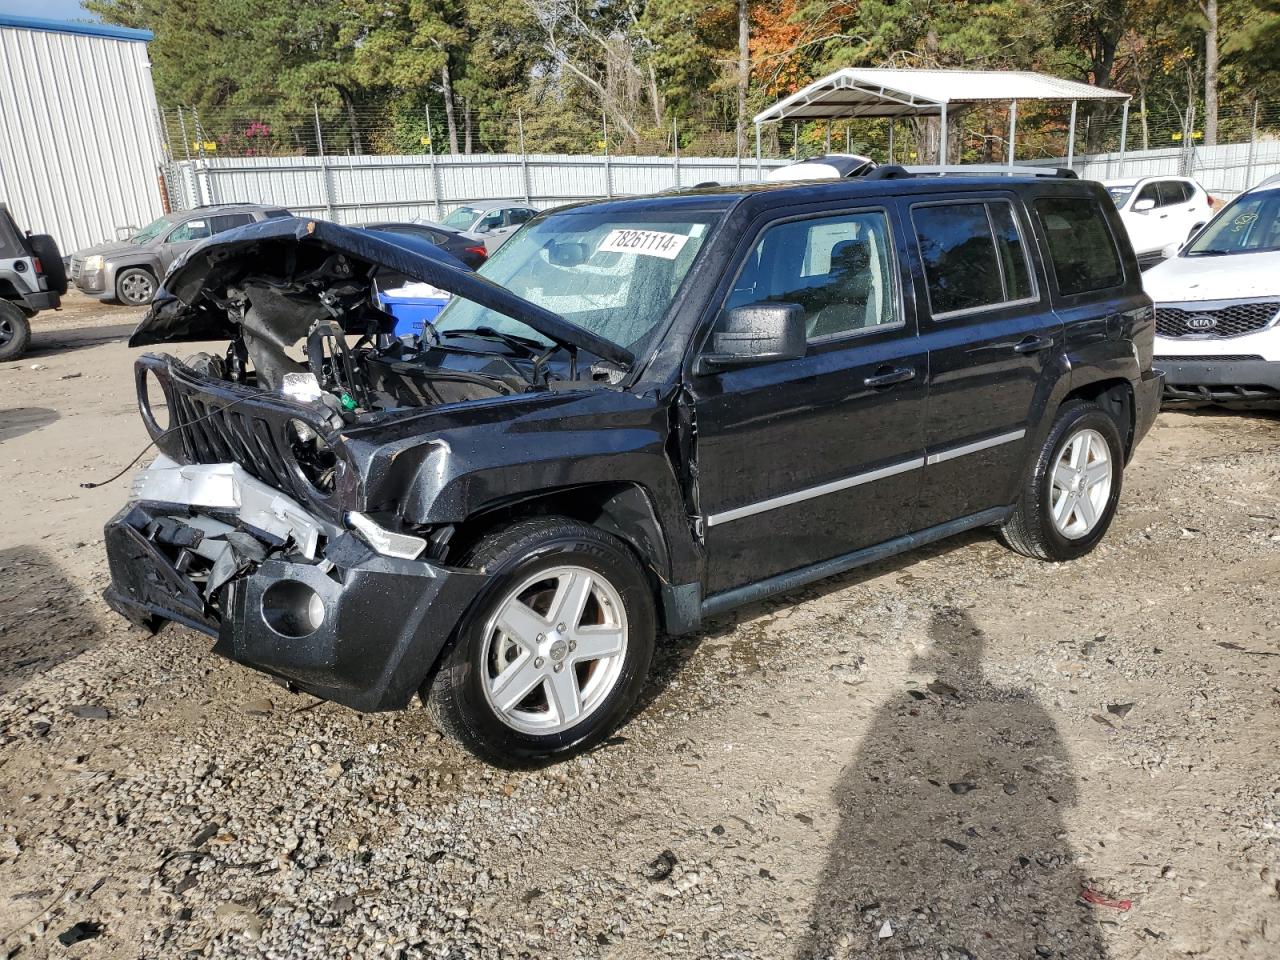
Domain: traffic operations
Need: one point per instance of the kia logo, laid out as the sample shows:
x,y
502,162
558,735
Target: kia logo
x,y
1201,321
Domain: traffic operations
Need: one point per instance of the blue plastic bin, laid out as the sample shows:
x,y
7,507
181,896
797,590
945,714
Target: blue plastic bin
x,y
413,313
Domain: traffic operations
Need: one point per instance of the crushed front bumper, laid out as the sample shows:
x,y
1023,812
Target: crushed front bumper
x,y
347,624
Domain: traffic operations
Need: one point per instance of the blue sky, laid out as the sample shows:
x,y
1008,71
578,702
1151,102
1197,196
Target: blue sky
x,y
47,9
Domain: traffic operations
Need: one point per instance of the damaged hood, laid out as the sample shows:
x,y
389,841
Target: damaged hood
x,y
185,308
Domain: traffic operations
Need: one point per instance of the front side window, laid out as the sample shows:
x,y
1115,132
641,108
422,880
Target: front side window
x,y
839,269
614,274
1248,224
1149,192
1081,247
973,256
191,230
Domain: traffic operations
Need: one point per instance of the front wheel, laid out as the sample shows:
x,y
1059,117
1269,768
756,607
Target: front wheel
x,y
135,286
554,653
1070,494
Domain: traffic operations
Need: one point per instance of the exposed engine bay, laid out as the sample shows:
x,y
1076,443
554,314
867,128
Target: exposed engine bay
x,y
297,302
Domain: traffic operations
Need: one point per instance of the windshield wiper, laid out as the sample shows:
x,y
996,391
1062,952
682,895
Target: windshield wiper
x,y
524,344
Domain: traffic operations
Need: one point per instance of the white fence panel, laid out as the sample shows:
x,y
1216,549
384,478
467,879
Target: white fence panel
x,y
372,188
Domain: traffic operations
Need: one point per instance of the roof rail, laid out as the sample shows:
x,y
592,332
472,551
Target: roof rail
x,y
894,172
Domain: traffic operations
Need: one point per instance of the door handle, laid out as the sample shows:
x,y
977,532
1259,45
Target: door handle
x,y
1032,344
887,376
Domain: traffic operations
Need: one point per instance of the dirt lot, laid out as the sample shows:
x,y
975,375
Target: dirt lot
x,y
929,758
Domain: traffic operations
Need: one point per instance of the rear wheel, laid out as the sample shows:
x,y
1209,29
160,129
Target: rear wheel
x,y
135,286
1070,494
554,653
15,331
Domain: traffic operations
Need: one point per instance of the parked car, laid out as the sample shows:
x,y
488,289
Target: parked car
x,y
466,248
1158,211
830,166
129,271
491,220
736,393
1218,306
32,279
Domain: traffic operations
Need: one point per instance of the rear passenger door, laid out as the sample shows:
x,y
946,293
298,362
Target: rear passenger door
x,y
807,459
993,340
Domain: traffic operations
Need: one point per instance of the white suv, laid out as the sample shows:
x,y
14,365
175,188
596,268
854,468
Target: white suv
x,y
1218,305
1159,211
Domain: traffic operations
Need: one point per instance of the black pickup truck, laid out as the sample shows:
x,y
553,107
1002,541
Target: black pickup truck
x,y
639,414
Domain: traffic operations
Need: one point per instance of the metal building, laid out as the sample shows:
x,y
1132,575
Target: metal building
x,y
80,146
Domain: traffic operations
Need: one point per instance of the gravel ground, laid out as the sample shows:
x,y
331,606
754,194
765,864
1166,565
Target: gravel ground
x,y
930,758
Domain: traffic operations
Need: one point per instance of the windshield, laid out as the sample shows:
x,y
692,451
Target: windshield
x,y
614,274
151,231
1119,194
1249,224
461,218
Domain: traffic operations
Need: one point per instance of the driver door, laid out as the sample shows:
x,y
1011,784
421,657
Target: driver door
x,y
182,238
804,460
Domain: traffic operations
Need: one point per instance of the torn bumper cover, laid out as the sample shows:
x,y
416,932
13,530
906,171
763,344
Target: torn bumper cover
x,y
281,590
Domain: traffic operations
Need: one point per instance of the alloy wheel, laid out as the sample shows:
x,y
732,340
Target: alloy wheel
x,y
554,650
137,288
1081,484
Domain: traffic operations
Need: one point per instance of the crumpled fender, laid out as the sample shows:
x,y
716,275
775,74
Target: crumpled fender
x,y
277,247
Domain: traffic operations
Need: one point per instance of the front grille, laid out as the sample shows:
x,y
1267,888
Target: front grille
x,y
1233,320
213,434
1210,358
76,267
218,422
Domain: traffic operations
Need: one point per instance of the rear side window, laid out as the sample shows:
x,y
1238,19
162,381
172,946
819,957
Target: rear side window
x,y
1081,247
973,256
1172,191
229,221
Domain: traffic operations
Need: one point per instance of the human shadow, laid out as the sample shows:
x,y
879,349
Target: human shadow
x,y
44,620
951,839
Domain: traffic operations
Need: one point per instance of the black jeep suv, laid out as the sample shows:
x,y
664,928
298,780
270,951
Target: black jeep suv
x,y
639,414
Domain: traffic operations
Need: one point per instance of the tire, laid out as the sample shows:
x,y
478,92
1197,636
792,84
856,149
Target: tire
x,y
15,332
533,563
135,286
46,248
1087,511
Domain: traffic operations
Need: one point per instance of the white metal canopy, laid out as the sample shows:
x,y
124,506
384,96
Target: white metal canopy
x,y
887,92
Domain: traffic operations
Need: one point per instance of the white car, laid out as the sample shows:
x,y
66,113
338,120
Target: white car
x,y
1158,211
829,166
1218,306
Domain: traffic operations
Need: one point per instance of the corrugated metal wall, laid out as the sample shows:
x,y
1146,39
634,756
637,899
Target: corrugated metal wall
x,y
79,146
366,189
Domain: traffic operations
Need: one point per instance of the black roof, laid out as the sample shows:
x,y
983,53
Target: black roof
x,y
893,181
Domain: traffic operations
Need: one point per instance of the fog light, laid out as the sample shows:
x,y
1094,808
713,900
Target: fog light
x,y
386,542
292,609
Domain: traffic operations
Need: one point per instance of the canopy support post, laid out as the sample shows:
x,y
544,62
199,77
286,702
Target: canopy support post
x,y
1013,132
942,138
891,139
757,151
1124,133
1071,136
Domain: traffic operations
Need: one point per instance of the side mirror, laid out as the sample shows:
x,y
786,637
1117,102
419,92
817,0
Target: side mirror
x,y
1171,250
756,333
1142,206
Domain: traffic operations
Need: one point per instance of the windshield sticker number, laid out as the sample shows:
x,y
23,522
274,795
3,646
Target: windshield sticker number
x,y
650,243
